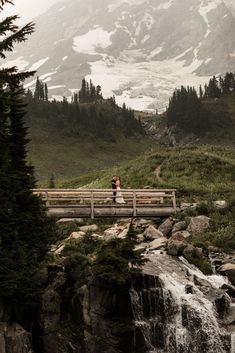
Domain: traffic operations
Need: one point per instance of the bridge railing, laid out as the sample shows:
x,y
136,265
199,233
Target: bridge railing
x,y
96,198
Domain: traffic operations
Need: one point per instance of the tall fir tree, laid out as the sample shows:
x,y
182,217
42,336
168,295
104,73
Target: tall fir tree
x,y
25,232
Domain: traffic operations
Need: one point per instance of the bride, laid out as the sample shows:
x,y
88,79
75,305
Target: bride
x,y
119,197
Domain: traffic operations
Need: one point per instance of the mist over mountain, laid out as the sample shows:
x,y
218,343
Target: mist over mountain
x,y
138,50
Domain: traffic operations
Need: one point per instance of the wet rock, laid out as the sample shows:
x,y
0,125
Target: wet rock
x,y
230,290
189,289
166,227
14,339
189,251
90,228
198,252
50,311
176,247
179,226
152,233
228,270
222,304
198,224
157,244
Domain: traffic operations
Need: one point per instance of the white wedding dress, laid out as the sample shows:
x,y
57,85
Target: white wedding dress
x,y
119,197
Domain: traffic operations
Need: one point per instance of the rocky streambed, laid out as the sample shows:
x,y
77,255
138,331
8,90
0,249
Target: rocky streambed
x,y
171,307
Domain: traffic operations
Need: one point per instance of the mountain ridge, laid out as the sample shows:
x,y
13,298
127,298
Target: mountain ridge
x,y
140,51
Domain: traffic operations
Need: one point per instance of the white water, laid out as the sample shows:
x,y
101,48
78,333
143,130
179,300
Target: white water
x,y
174,314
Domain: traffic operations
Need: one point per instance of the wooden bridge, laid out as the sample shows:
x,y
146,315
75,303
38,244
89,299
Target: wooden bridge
x,y
99,203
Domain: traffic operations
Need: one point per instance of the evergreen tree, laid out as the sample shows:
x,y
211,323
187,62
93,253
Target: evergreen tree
x,y
24,229
46,92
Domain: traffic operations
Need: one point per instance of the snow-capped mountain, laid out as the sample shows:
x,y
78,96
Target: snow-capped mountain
x,y
139,50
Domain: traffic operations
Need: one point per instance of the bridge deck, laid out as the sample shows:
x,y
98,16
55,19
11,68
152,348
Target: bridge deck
x,y
98,203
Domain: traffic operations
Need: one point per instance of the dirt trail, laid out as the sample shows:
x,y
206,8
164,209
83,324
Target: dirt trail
x,y
157,173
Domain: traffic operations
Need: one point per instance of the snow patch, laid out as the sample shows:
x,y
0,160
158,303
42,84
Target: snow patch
x,y
206,7
148,20
146,38
146,85
45,78
208,60
155,52
61,8
55,87
95,39
65,58
38,64
165,5
115,4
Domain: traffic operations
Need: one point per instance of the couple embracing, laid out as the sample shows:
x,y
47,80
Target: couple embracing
x,y
116,185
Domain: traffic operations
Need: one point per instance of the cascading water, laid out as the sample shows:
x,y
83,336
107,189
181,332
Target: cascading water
x,y
174,310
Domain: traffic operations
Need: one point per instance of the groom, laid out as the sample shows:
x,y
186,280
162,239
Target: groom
x,y
114,187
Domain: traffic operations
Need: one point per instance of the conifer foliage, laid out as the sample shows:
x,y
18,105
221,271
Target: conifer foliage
x,y
200,113
25,232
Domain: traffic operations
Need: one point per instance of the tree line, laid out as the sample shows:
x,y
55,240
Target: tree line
x,y
87,114
192,111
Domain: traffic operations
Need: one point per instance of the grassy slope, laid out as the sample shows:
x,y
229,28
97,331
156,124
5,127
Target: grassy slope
x,y
67,157
197,172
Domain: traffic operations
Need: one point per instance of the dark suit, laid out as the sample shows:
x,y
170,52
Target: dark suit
x,y
114,187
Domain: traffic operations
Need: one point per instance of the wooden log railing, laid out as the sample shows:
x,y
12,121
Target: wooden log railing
x,y
99,202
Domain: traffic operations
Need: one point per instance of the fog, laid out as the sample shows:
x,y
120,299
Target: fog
x,y
28,9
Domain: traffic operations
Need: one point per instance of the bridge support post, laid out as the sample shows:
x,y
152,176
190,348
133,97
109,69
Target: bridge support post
x,y
47,201
92,206
174,202
134,204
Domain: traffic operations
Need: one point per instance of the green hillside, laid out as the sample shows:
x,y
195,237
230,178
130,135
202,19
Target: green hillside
x,y
70,139
198,172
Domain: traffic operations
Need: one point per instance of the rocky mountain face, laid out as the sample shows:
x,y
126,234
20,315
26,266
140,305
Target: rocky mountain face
x,y
138,50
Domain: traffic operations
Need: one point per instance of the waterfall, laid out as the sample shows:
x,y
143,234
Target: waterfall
x,y
174,310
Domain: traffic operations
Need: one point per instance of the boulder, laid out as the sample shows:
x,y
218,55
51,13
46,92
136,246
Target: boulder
x,y
220,204
90,228
77,235
198,224
176,247
112,232
157,244
180,235
14,339
140,238
141,248
189,251
142,223
59,250
152,233
185,206
179,226
70,220
166,227
198,252
228,270
123,233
